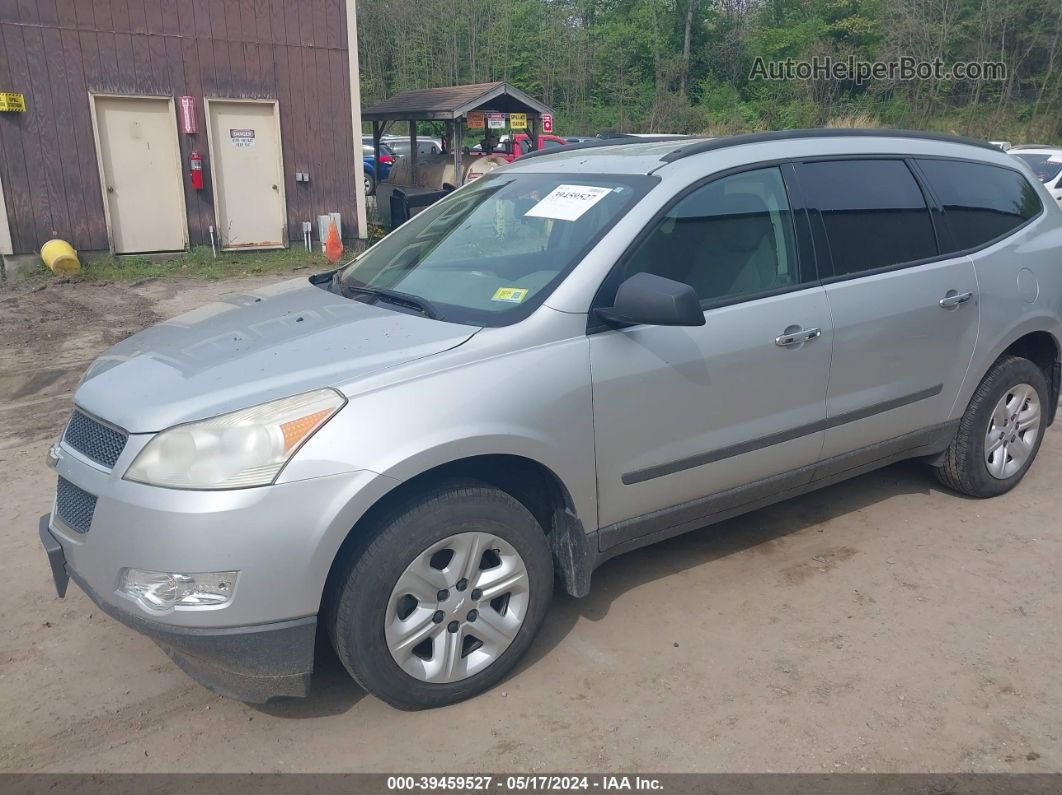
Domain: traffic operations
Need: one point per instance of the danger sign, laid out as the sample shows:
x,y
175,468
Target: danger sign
x,y
242,137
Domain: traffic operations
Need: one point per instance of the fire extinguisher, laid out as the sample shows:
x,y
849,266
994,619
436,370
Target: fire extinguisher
x,y
195,166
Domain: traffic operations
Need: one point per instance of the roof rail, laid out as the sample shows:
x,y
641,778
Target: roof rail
x,y
1032,146
825,132
558,150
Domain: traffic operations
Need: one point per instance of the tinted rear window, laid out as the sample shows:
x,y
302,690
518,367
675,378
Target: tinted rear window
x,y
873,210
982,202
1045,168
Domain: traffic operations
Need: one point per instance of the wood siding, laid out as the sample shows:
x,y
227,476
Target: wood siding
x,y
58,51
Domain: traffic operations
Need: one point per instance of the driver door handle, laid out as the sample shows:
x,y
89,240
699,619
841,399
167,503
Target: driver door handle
x,y
954,299
790,338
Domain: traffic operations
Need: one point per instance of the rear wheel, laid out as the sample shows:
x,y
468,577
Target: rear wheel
x,y
1001,431
446,597
370,184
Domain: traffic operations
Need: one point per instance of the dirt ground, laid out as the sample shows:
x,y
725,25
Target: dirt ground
x,y
879,625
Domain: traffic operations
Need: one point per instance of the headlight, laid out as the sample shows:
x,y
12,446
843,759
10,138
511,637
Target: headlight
x,y
245,448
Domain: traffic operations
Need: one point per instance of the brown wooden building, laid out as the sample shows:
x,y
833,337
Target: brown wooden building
x,y
102,155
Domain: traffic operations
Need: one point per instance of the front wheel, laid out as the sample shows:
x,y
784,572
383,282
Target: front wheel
x,y
370,185
1001,431
445,599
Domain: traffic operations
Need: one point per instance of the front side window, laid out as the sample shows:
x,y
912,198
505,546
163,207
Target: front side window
x,y
730,239
982,202
490,252
873,211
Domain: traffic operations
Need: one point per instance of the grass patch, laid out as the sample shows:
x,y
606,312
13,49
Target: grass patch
x,y
198,263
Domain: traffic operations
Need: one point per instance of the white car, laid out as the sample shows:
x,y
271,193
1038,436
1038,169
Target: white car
x,y
426,145
1046,163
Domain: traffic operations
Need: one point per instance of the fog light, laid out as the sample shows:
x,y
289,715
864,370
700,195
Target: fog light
x,y
161,591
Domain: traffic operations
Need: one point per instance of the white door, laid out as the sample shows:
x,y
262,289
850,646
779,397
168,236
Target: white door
x,y
246,164
140,167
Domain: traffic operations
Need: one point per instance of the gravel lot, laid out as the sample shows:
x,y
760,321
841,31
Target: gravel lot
x,y
878,625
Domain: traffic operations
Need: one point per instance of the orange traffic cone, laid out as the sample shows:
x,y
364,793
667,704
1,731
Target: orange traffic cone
x,y
333,246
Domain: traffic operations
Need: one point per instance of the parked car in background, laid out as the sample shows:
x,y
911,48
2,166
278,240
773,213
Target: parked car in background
x,y
609,135
400,145
387,159
574,356
512,147
1046,163
387,152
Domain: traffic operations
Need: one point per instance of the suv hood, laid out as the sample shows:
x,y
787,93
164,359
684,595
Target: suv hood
x,y
250,348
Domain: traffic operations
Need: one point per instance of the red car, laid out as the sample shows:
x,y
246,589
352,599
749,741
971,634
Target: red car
x,y
520,144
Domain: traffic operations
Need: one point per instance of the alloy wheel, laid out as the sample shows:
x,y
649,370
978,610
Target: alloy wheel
x,y
1012,431
457,607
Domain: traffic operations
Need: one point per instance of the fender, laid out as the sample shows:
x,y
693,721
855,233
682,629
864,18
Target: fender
x,y
574,552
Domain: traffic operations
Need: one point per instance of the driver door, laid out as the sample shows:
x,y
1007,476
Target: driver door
x,y
730,410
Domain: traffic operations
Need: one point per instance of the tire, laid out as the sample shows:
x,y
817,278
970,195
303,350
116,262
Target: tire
x,y
370,185
966,468
368,609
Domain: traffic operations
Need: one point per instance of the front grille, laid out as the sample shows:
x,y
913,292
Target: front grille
x,y
102,443
74,506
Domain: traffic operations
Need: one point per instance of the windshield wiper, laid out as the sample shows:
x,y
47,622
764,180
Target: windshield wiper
x,y
422,305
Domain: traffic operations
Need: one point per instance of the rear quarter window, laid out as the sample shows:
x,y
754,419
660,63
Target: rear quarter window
x,y
981,202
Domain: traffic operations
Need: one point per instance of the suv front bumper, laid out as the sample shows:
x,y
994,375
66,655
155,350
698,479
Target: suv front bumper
x,y
251,663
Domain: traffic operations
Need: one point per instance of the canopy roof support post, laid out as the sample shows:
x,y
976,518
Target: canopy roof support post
x,y
413,151
377,131
533,121
459,137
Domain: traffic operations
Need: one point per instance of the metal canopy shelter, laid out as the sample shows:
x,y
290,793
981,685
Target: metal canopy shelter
x,y
451,104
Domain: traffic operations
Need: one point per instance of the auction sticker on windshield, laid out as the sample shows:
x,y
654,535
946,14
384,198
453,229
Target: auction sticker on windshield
x,y
513,295
568,202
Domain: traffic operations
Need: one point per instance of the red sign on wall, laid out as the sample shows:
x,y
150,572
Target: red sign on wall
x,y
547,123
188,124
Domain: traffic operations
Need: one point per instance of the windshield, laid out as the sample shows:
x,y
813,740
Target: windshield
x,y
492,251
1043,166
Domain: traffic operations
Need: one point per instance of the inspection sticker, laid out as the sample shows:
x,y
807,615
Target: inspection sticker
x,y
512,295
568,202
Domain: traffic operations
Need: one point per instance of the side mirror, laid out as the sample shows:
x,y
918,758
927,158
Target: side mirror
x,y
655,301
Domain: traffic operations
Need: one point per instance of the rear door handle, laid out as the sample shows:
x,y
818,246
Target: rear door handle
x,y
954,299
790,338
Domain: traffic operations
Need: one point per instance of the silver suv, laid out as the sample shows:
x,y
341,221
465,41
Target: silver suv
x,y
574,356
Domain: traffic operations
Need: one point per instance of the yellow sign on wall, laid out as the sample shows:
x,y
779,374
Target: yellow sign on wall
x,y
11,101
475,120
518,121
